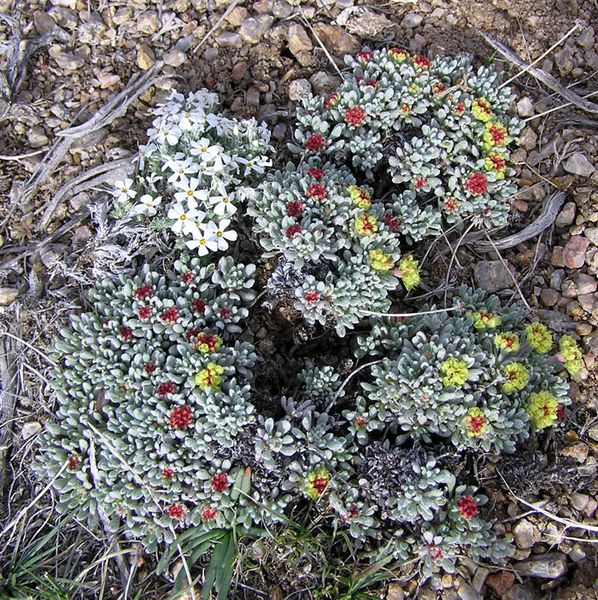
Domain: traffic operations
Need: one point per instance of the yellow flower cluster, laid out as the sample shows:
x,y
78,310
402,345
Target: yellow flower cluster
x,y
495,135
210,377
366,224
317,482
476,423
359,196
380,261
408,271
484,320
539,337
570,354
509,342
542,409
454,372
516,377
496,163
482,110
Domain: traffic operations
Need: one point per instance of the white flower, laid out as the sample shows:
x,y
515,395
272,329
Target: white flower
x,y
180,167
147,205
144,153
223,203
204,242
165,132
255,165
184,218
189,191
124,191
204,150
220,233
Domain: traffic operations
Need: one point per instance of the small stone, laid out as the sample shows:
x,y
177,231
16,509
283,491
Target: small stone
x,y
466,592
549,297
174,58
524,534
412,20
578,164
586,284
30,429
583,329
253,29
337,40
579,501
43,22
479,579
592,234
578,452
298,40
299,89
577,553
567,215
395,592
528,139
148,22
68,61
281,9
521,206
525,107
107,79
37,137
253,97
588,302
521,592
363,22
574,252
586,39
501,582
262,6
8,295
237,16
491,275
556,258
548,566
279,131
238,72
590,508
145,57
72,4
323,82
556,279
229,39
593,433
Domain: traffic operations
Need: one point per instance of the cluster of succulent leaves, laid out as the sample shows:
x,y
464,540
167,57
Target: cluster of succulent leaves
x,y
341,246
439,127
194,172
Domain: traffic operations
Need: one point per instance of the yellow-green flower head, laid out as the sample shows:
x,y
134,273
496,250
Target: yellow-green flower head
x,y
542,409
210,377
539,337
408,271
366,224
476,423
398,55
496,163
380,261
570,354
413,88
482,110
317,482
359,196
454,372
484,320
509,342
495,136
516,377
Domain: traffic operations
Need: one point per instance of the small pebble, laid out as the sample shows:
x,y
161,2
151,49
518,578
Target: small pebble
x,y
299,89
30,429
574,252
567,215
145,57
8,295
578,164
525,108
412,20
548,566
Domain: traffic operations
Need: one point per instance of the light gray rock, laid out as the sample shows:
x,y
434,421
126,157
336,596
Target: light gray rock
x,y
253,29
299,89
229,39
524,534
412,20
525,107
492,276
548,566
578,164
298,40
574,252
567,215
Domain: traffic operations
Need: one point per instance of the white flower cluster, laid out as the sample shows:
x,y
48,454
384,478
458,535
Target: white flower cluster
x,y
190,175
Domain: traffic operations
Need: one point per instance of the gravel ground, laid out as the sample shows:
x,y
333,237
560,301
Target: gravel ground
x,y
73,56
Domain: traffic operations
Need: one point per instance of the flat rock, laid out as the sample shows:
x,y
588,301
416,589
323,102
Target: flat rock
x,y
592,234
574,252
174,58
528,139
567,215
549,297
229,39
30,429
578,164
323,82
364,22
412,20
145,57
501,582
548,566
491,275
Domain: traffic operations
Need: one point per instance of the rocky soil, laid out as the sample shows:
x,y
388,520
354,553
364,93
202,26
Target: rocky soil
x,y
61,60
